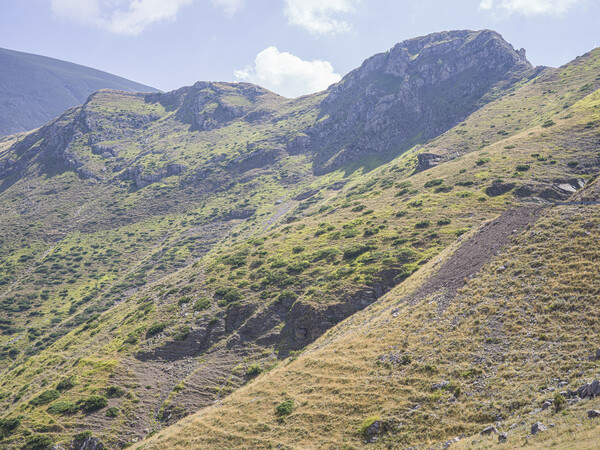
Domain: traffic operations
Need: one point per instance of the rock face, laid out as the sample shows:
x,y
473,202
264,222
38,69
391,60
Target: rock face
x,y
417,90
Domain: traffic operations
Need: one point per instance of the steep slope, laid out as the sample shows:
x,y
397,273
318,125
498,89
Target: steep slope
x,y
484,334
160,250
36,89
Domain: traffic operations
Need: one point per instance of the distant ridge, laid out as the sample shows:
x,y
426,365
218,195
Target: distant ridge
x,y
35,89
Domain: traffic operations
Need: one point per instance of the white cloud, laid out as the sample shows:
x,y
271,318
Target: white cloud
x,y
287,74
530,7
125,17
316,16
229,6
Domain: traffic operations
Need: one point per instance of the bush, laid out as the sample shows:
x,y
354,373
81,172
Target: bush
x,y
66,383
156,328
93,403
45,397
356,250
328,254
229,294
184,300
432,183
423,224
559,402
523,167
444,222
201,304
548,123
63,408
39,442
82,436
287,295
112,412
9,425
573,163
297,249
115,392
253,370
285,408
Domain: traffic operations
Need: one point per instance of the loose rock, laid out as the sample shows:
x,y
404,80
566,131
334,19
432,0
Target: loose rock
x,y
538,427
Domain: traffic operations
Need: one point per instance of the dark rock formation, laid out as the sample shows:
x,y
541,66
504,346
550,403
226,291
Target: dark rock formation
x,y
415,91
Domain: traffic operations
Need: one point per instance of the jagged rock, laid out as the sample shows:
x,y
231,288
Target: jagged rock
x,y
489,430
538,427
426,161
442,385
450,442
372,433
418,89
589,390
592,413
499,188
524,191
547,404
502,437
89,443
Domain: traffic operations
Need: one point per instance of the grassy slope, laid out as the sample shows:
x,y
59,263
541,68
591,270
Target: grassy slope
x,y
377,207
530,311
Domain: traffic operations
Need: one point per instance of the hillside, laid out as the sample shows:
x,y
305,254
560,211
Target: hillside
x,y
36,89
218,250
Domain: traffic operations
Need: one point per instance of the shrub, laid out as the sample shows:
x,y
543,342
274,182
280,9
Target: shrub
x,y
63,408
9,425
443,222
559,402
328,254
184,300
285,408
287,295
82,436
45,397
297,249
156,328
228,294
573,163
253,370
523,167
112,412
432,183
93,403
548,123
356,250
66,383
201,304
115,392
482,161
39,442
423,224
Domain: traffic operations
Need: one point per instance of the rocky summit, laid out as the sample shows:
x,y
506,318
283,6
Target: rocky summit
x,y
407,259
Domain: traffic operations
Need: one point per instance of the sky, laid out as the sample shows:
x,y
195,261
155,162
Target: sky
x,y
292,47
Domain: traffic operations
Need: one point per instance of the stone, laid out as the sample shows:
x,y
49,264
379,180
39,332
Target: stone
x,y
499,188
489,430
547,404
502,437
538,427
450,442
426,161
593,413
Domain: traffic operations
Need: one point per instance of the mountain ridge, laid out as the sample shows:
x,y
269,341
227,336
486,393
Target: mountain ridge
x,y
37,88
162,250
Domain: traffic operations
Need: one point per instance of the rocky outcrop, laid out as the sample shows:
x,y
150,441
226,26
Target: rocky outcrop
x,y
415,91
141,178
426,161
208,105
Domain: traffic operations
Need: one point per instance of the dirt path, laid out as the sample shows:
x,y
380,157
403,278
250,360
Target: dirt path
x,y
473,254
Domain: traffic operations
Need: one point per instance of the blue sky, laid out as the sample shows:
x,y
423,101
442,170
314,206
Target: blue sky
x,y
292,47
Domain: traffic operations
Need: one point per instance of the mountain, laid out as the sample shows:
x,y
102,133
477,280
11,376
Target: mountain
x,y
36,89
309,272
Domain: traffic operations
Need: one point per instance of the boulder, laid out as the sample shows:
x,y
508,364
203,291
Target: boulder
x,y
499,188
489,430
426,161
538,427
593,413
502,437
